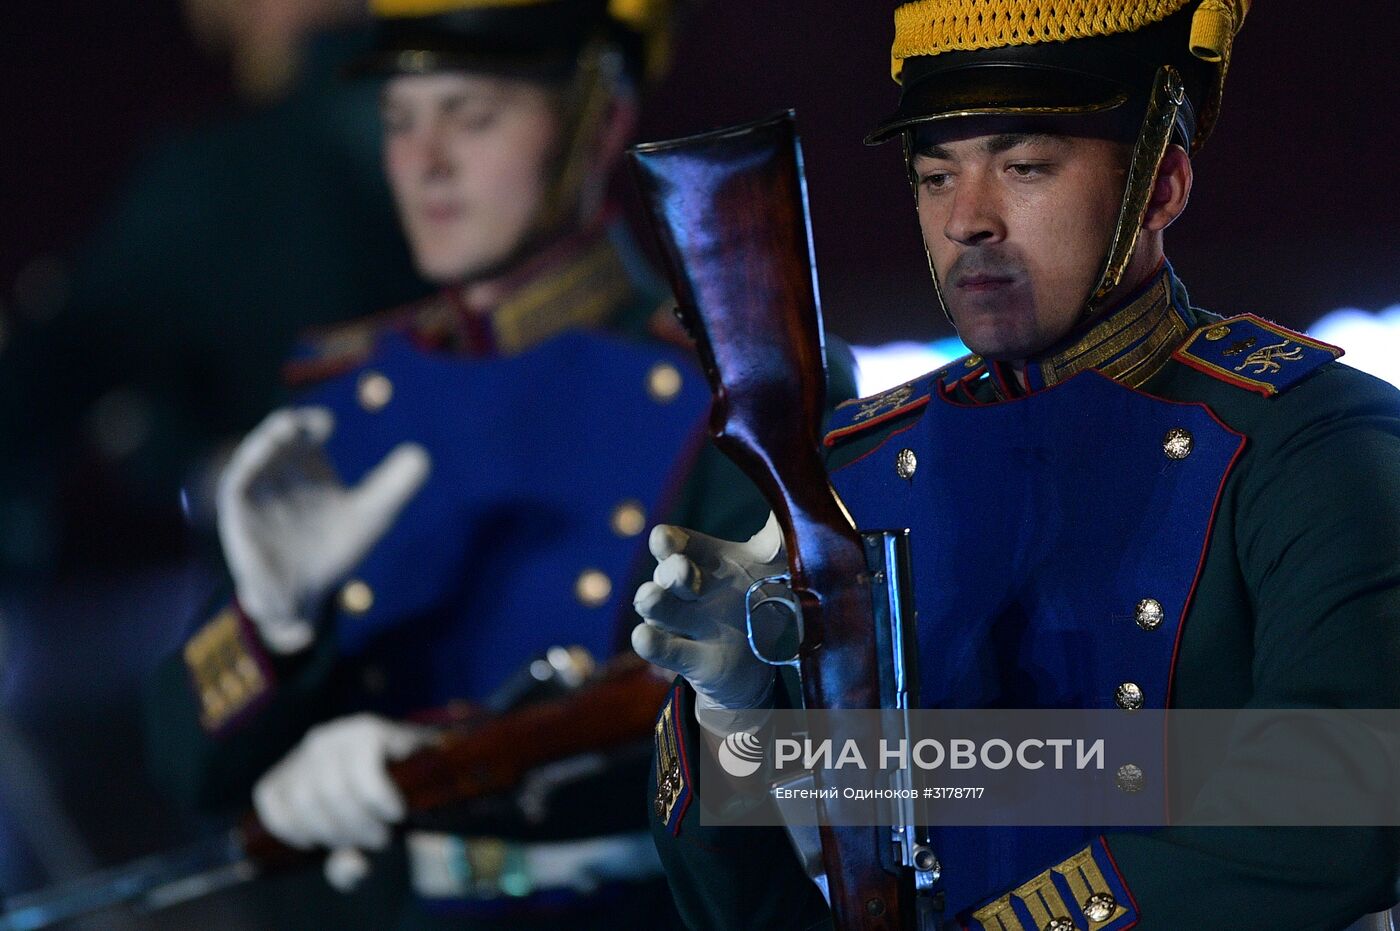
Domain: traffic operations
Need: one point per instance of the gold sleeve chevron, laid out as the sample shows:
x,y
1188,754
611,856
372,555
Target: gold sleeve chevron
x,y
932,27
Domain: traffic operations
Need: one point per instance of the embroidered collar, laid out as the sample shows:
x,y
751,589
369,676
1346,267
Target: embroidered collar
x,y
579,282
1129,344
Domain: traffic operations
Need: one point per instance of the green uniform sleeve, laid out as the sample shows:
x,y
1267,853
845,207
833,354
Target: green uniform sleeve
x,y
730,877
720,877
1317,537
221,710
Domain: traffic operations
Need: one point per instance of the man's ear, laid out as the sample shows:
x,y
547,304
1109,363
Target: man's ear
x,y
1170,191
619,128
612,139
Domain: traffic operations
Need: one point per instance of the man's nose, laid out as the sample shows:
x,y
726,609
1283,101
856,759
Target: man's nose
x,y
433,153
975,218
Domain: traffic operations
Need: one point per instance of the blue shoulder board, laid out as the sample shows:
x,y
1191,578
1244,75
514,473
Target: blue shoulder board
x,y
323,353
854,416
1254,354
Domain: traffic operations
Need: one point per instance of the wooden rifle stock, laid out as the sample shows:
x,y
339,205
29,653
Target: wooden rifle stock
x,y
730,212
494,755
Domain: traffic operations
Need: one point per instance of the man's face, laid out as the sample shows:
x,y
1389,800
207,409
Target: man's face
x,y
468,158
1016,217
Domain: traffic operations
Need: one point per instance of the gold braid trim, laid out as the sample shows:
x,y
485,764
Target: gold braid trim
x,y
585,292
932,27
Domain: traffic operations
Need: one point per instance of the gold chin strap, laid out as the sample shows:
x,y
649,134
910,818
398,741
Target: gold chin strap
x,y
586,101
908,141
1168,94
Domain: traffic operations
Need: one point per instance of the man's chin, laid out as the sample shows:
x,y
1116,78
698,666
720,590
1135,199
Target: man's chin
x,y
1002,347
450,269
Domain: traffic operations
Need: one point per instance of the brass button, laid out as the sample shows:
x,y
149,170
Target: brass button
x,y
972,362
1177,443
1059,924
663,382
592,588
1100,907
356,597
905,462
629,518
1149,614
1130,778
1128,696
374,391
1217,332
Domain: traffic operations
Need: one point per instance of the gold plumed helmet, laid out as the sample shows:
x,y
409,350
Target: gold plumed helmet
x,y
1161,60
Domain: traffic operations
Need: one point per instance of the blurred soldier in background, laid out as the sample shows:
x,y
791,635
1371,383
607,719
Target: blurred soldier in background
x,y
164,340
467,485
127,371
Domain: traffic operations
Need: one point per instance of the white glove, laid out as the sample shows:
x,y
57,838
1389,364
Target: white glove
x,y
291,529
333,790
693,613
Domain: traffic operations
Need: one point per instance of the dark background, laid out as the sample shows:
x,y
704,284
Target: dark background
x,y
1292,217
1293,212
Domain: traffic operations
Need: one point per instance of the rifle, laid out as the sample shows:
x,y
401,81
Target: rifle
x,y
486,757
730,212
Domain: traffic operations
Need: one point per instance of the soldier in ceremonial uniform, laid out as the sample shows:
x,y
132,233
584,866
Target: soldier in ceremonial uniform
x,y
1120,501
465,488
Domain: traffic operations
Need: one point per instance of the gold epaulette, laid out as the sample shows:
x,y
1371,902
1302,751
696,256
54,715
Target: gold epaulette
x,y
860,414
1255,354
326,352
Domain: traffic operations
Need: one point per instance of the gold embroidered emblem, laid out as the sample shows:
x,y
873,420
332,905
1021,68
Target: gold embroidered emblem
x,y
669,780
1239,347
1269,358
883,402
972,362
1219,331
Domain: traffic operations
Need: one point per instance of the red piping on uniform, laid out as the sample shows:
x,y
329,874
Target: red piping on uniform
x,y
666,499
1126,888
837,434
870,452
685,761
1186,360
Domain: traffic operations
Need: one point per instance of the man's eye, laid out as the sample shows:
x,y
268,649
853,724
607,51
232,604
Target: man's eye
x,y
476,120
1024,170
936,180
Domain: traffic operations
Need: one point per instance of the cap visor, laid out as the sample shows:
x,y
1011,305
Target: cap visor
x,y
999,89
